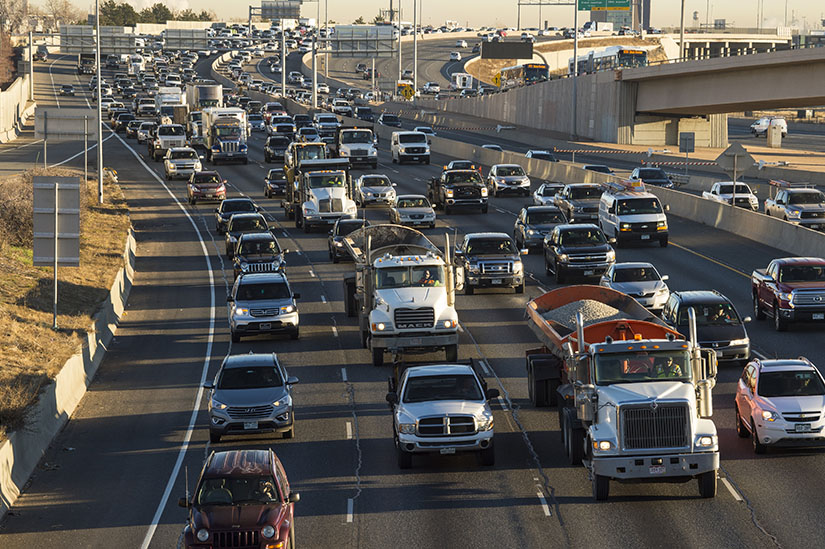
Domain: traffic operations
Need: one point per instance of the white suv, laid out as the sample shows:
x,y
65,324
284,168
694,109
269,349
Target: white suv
x,y
781,403
409,146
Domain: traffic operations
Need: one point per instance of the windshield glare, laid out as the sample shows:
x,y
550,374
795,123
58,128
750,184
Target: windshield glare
x,y
238,490
815,197
462,177
549,191
507,171
227,131
642,366
582,237
412,203
581,193
409,277
637,206
545,218
802,273
790,384
325,181
635,274
250,377
490,246
248,224
375,182
446,387
184,154
259,248
263,291
238,206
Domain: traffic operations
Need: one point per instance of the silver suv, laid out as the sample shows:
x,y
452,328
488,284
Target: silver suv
x,y
181,162
262,303
251,394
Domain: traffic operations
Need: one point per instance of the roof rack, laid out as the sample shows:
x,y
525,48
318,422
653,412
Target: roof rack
x,y
627,185
782,184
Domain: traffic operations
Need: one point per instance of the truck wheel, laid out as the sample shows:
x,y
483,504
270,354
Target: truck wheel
x,y
214,437
601,487
758,447
451,351
758,313
778,324
377,357
741,430
468,290
520,288
404,458
487,457
575,439
707,484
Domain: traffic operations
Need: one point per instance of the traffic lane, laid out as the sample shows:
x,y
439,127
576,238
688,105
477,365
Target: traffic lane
x,y
131,422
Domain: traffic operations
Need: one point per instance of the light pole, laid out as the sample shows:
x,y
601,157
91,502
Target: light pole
x,y
415,45
99,110
326,29
682,33
283,60
31,67
575,66
399,42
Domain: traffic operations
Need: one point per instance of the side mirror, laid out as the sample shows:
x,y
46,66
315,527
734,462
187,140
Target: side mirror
x,y
392,398
667,207
296,296
612,240
201,157
491,394
665,277
746,319
225,181
183,502
291,380
208,385
294,497
217,210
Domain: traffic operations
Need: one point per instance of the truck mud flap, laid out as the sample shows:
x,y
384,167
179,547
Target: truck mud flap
x,y
543,379
350,303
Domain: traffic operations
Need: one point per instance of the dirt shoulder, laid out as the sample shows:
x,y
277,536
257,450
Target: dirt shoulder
x,y
31,352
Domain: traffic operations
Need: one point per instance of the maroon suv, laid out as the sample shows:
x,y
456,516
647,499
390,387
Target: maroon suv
x,y
242,500
206,185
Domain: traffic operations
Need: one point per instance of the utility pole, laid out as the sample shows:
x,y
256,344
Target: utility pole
x,y
326,29
682,33
399,41
575,67
99,110
415,45
283,60
31,67
314,73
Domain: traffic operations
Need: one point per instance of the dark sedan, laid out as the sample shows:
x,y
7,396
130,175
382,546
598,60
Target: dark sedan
x,y
275,148
232,206
275,183
652,176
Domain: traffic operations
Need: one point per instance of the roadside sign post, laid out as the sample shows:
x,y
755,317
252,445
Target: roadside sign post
x,y
497,80
687,145
56,226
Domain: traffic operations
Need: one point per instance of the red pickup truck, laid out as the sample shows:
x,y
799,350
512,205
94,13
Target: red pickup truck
x,y
791,289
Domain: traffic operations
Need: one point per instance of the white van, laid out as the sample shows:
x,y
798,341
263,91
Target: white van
x,y
628,213
760,127
409,146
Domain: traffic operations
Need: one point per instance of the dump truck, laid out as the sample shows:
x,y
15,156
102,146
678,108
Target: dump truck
x,y
295,154
633,396
322,193
402,291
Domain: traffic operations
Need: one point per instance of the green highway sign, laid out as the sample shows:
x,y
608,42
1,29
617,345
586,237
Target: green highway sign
x,y
604,5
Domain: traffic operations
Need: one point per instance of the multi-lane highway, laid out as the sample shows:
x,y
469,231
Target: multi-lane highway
x,y
113,476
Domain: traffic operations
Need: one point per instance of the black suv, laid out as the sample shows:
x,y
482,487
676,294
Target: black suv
x,y
364,113
718,325
258,253
579,250
342,228
229,207
275,148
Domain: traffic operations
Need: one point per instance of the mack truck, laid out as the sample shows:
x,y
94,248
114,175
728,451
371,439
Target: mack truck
x,y
296,153
633,396
224,134
322,193
201,96
86,63
402,291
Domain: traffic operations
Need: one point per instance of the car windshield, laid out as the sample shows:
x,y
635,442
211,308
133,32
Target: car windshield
x,y
582,237
247,224
312,132
147,126
237,490
790,384
582,193
256,118
642,366
227,131
260,247
375,182
802,273
327,120
717,314
324,181
188,155
419,202
250,377
811,197
390,118
544,218
279,141
635,274
237,206
728,189
206,178
412,138
461,165
262,291
469,176
491,246
356,137
637,206
445,387
652,173
406,277
543,156
505,171
276,173
546,190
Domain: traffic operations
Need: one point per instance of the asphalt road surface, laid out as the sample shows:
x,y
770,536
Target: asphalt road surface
x,y
113,476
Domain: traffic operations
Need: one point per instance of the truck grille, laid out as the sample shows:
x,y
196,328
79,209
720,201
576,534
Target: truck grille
x,y
809,297
496,268
588,258
812,215
333,205
415,150
743,202
646,427
446,426
238,412
264,312
649,227
359,152
236,540
260,268
806,417
415,318
229,146
467,192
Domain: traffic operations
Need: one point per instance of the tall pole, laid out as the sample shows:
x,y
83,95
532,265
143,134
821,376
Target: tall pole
x,y
326,28
399,41
786,13
518,16
575,66
85,150
540,1
99,108
707,15
682,33
415,45
54,315
31,64
314,73
283,60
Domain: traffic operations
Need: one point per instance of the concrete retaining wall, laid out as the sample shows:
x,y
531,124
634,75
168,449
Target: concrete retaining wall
x,y
15,108
22,451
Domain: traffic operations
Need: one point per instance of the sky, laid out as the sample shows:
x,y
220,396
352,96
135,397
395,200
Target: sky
x,y
664,13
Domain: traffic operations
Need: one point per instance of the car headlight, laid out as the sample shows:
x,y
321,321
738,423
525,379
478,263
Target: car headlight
x,y
769,415
484,423
240,311
706,441
518,266
661,225
578,209
287,309
202,535
344,152
217,405
743,341
310,210
449,324
563,258
625,227
794,213
531,231
602,445
449,193
373,151
406,428
198,166
339,244
484,191
611,255
381,326
268,531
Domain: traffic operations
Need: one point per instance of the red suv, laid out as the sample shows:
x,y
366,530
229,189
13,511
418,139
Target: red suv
x,y
242,500
206,185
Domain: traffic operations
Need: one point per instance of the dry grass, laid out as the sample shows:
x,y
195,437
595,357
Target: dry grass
x,y
31,353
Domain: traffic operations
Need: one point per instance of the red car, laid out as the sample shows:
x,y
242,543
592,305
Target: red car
x,y
243,500
791,289
206,185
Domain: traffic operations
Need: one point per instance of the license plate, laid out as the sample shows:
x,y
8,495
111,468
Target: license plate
x,y
718,354
250,424
209,196
802,428
818,316
230,154
645,237
416,158
417,341
814,226
657,470
265,326
588,273
446,451
496,281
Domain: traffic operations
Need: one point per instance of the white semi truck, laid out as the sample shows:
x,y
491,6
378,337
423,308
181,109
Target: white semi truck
x,y
224,134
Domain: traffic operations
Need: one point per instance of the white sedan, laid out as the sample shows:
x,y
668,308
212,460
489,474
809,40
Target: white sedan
x,y
455,56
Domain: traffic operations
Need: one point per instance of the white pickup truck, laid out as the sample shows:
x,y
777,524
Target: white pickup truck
x,y
723,191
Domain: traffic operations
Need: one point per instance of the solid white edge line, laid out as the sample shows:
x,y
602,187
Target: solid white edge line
x,y
543,502
349,430
730,488
344,374
207,358
350,505
759,355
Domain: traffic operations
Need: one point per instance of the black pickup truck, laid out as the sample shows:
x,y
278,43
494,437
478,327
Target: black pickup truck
x,y
458,189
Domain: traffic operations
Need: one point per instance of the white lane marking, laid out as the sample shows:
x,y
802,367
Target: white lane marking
x,y
344,374
484,367
207,357
350,505
502,403
543,503
731,489
393,169
759,355
323,299
51,77
542,290
21,146
460,328
286,234
418,179
108,137
312,273
335,333
349,430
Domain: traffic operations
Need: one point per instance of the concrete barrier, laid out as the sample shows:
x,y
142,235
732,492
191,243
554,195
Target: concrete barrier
x,y
15,108
21,452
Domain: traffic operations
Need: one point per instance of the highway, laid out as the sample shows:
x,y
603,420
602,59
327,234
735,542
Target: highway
x,y
113,476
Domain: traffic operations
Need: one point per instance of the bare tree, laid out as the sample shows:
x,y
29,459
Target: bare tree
x,y
61,10
12,15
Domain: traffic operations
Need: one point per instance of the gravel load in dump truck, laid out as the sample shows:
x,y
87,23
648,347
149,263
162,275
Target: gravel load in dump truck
x,y
592,311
